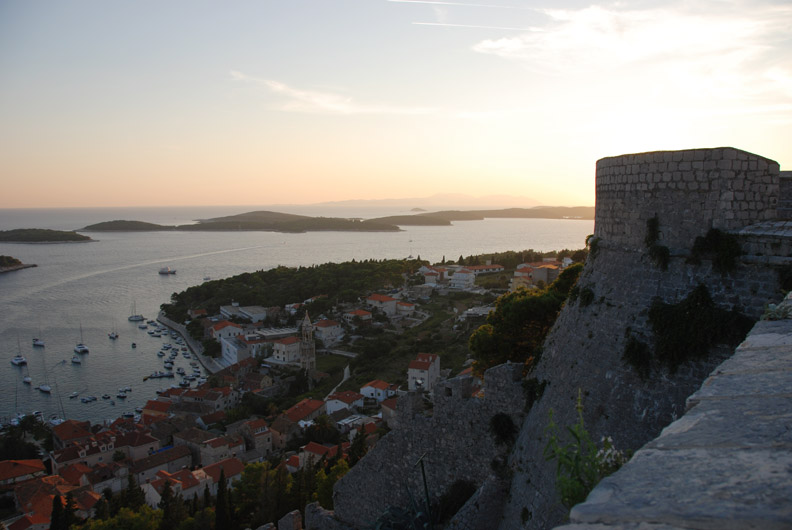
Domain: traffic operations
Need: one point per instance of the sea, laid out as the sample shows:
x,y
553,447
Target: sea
x,y
80,292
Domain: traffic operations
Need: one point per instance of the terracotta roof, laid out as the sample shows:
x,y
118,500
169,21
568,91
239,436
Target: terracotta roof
x,y
484,267
430,357
135,439
405,304
225,324
390,403
303,409
74,472
71,430
359,313
214,417
158,459
347,396
11,469
293,462
377,383
287,340
326,323
232,467
157,406
380,298
419,365
256,424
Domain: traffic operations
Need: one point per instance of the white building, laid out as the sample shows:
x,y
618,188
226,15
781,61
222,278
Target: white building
x,y
328,331
379,390
343,400
423,372
383,302
462,279
286,350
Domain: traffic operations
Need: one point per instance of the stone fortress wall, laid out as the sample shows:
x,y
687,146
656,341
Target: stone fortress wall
x,y
455,441
690,192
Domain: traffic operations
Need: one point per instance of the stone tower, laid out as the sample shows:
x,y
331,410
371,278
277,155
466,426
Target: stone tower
x,y
307,346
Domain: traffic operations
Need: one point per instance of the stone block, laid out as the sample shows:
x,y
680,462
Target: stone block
x,y
719,489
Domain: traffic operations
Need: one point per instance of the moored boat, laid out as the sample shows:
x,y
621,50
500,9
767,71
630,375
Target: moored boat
x,y
76,359
38,343
18,360
167,270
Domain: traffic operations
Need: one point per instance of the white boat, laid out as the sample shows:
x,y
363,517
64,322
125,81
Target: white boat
x,y
112,335
80,347
167,270
135,317
19,360
76,359
27,380
45,388
143,326
38,343
73,395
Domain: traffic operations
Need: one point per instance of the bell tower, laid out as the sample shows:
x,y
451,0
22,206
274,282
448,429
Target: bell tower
x,y
307,346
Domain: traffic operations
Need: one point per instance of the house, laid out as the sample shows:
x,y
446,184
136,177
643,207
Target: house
x,y
283,431
433,275
156,408
343,400
136,444
287,350
232,469
225,330
258,435
405,309
254,313
207,420
312,452
358,315
462,279
34,498
231,311
389,412
485,269
328,331
220,448
170,459
305,410
184,482
378,389
382,302
423,372
192,438
196,313
70,431
13,471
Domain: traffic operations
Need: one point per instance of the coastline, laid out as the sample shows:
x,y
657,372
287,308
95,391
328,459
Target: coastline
x,y
17,267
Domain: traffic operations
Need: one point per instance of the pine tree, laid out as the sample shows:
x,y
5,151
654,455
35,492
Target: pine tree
x,y
358,448
102,509
134,497
56,518
69,514
207,497
222,515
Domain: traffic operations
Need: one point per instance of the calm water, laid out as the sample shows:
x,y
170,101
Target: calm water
x,y
93,286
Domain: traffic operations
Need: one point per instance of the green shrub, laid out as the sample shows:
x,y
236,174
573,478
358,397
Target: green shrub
x,y
586,296
721,247
689,328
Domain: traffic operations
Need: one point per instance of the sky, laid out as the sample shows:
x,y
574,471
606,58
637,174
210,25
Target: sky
x,y
193,102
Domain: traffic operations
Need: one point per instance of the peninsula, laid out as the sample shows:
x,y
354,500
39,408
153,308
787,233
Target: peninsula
x,y
41,235
9,264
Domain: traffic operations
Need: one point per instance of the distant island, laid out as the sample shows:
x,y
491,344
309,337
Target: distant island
x,y
8,264
41,235
286,222
262,220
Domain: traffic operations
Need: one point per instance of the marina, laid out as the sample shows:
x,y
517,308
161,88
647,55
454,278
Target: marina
x,y
110,281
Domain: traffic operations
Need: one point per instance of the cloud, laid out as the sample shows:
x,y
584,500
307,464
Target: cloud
x,y
723,49
476,26
465,4
299,100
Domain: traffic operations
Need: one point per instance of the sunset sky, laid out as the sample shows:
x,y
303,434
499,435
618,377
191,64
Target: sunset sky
x,y
192,102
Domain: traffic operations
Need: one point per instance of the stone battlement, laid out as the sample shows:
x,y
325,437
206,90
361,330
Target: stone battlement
x,y
691,191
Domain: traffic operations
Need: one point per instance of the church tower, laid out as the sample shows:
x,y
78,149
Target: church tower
x,y
307,346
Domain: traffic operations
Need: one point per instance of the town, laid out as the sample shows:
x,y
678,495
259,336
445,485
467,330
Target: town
x,y
298,394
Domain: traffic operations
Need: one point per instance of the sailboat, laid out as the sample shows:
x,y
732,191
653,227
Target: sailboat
x,y
45,387
135,317
80,347
19,359
54,419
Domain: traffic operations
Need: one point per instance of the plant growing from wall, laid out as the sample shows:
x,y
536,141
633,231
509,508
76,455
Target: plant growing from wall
x,y
658,253
503,428
580,465
721,247
689,328
637,355
592,244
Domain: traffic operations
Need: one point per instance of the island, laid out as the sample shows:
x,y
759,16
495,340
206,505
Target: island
x,y
41,235
260,220
285,222
8,264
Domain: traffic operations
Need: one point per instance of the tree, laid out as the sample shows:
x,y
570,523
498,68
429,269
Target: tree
x,y
56,517
69,514
222,508
516,329
102,509
358,448
132,497
325,482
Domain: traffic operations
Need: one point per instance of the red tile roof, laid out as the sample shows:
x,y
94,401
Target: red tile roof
x,y
377,383
225,324
72,430
380,298
232,467
347,396
390,403
11,469
303,409
419,365
287,340
157,406
326,323
359,313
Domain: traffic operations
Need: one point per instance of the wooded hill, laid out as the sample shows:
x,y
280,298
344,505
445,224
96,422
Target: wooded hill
x,y
40,235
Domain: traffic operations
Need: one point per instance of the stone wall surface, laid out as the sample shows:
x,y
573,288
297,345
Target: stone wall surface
x,y
455,441
584,350
727,463
723,188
